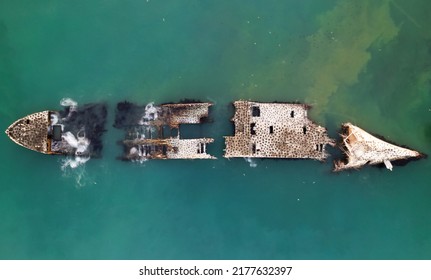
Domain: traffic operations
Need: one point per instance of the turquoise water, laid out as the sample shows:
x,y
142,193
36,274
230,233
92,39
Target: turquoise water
x,y
367,62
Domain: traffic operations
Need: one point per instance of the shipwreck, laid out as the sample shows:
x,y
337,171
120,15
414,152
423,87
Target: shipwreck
x,y
276,130
153,132
75,130
362,148
261,130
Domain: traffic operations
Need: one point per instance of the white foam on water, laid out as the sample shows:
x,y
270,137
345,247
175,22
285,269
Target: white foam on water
x,y
83,143
142,160
133,151
74,167
138,151
151,113
69,102
251,161
80,143
74,162
70,139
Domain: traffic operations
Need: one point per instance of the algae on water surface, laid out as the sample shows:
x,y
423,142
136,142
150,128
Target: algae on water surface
x,y
339,50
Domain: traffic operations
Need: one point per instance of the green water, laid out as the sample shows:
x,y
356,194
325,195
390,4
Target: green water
x,y
367,62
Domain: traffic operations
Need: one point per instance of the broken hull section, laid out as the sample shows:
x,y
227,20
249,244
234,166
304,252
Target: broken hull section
x,y
276,130
361,148
72,131
153,132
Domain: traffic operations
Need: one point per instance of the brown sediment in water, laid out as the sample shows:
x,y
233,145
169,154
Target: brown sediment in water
x,y
340,49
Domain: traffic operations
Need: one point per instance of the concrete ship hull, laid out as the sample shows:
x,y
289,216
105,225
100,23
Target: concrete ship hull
x,y
262,130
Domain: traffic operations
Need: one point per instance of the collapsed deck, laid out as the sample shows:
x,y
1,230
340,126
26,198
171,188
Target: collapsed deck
x,y
72,131
362,148
153,132
276,130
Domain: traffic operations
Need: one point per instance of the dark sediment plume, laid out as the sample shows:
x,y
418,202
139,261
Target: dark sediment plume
x,y
91,117
128,114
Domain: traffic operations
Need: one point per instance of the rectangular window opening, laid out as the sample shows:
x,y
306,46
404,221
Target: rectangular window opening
x,y
252,131
255,111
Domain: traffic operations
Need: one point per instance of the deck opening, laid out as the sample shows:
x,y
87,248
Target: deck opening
x,y
252,131
175,132
56,132
255,111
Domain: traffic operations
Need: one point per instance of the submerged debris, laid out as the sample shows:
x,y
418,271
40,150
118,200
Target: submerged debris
x,y
362,148
276,130
152,132
73,131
